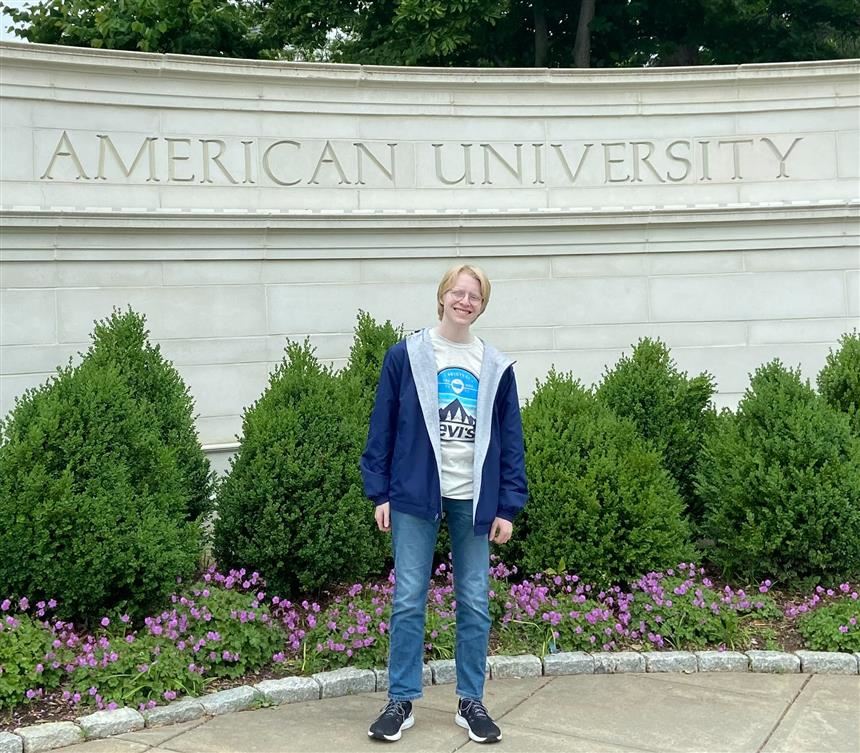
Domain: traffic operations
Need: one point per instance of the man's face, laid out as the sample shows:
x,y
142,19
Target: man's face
x,y
462,302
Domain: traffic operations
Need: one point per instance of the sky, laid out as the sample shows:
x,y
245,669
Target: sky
x,y
5,22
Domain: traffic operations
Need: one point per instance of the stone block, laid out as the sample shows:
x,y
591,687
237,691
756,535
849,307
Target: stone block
x,y
28,317
722,661
444,671
216,385
185,710
515,667
568,663
670,661
827,663
111,722
616,662
177,311
773,661
382,677
852,283
754,295
225,701
346,681
585,300
289,689
41,737
10,743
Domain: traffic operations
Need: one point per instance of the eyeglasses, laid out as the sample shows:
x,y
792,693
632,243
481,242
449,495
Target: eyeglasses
x,y
459,295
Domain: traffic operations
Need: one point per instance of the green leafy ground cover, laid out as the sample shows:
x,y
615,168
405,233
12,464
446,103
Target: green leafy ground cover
x,y
226,628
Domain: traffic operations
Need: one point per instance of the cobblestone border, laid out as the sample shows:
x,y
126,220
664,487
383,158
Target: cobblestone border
x,y
348,681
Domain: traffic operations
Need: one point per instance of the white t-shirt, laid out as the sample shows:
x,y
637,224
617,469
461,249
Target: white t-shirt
x,y
458,367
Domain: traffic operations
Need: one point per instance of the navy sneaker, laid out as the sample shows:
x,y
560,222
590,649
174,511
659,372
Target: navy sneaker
x,y
389,725
473,716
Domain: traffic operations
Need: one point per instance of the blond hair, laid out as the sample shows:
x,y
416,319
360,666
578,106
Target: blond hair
x,y
450,277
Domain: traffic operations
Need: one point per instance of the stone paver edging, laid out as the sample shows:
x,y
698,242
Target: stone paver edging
x,y
340,682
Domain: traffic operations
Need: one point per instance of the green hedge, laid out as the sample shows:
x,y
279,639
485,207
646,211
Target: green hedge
x,y
293,506
92,499
781,483
672,412
601,503
123,341
839,380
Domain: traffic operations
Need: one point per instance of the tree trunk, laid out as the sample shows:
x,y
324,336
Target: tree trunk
x,y
582,46
541,34
684,54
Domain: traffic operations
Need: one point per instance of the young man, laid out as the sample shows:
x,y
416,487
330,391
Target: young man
x,y
445,440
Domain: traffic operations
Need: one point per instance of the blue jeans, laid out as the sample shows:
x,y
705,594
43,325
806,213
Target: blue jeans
x,y
414,540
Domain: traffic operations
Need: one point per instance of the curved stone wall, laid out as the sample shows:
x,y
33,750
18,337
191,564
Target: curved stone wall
x,y
237,203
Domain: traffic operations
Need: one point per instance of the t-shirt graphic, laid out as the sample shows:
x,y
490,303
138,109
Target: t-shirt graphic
x,y
458,401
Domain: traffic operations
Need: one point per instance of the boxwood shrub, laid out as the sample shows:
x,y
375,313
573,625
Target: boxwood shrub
x,y
670,410
839,380
780,479
293,506
91,498
123,341
601,503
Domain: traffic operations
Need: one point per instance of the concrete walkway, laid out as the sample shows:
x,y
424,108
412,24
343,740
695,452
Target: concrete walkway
x,y
629,713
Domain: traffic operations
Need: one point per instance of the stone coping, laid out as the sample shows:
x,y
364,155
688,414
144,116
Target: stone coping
x,y
349,681
154,63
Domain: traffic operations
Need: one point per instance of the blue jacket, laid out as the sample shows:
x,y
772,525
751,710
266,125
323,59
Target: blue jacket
x,y
403,455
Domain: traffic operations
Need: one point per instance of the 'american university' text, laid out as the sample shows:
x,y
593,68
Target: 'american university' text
x,y
297,162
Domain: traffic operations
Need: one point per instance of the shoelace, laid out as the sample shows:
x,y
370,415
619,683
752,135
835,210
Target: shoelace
x,y
394,708
476,708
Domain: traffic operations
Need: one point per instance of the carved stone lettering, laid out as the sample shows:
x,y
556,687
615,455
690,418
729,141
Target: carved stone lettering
x,y
782,157
328,164
671,154
328,156
216,159
173,158
267,166
516,172
147,145
571,174
736,154
466,177
609,161
644,160
362,150
64,148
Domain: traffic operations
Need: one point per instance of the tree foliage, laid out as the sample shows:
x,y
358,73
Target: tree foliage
x,y
518,33
197,27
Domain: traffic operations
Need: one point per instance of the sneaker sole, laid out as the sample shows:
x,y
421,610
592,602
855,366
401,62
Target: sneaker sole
x,y
407,723
461,722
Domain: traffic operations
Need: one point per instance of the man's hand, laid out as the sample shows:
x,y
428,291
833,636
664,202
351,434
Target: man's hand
x,y
500,532
382,513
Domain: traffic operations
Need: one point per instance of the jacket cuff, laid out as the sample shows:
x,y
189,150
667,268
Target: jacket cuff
x,y
508,515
